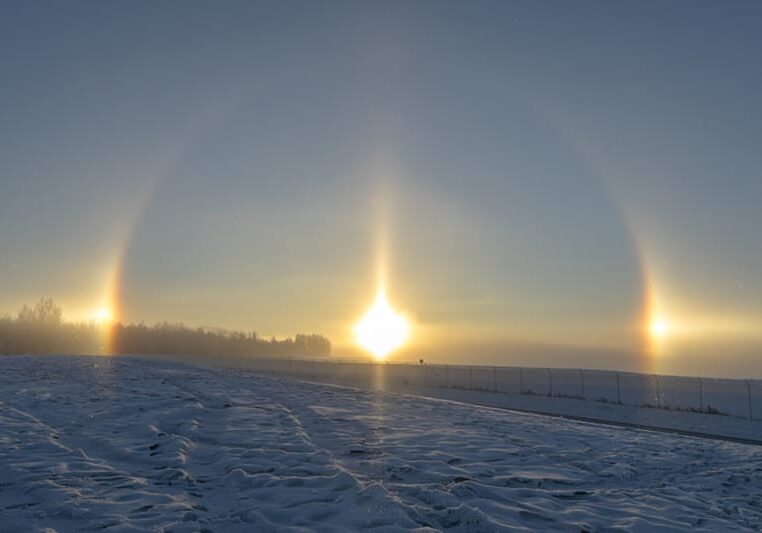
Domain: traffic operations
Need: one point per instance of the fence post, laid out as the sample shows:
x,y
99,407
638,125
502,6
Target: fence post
x,y
701,394
550,383
748,391
471,378
582,381
658,391
618,390
521,380
494,379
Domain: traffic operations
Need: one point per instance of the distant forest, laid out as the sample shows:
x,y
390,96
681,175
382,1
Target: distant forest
x,y
40,329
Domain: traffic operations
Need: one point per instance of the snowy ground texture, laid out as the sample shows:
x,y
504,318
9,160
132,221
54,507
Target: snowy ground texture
x,y
120,444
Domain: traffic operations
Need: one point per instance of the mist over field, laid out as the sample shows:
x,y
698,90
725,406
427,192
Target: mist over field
x,y
40,330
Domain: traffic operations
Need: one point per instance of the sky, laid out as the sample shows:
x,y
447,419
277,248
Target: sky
x,y
538,183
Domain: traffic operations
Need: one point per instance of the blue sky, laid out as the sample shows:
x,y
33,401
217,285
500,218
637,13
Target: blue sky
x,y
542,171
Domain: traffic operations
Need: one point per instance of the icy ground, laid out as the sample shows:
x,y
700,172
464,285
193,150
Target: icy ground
x,y
119,444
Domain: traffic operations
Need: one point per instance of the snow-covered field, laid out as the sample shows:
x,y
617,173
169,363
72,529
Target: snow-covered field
x,y
500,387
120,444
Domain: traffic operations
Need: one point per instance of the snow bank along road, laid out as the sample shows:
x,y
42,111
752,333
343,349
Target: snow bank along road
x,y
120,444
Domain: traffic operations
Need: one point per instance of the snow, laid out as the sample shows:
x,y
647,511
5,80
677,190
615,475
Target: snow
x,y
127,444
669,403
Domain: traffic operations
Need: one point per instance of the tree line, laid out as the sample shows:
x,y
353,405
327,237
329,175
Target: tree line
x,y
40,329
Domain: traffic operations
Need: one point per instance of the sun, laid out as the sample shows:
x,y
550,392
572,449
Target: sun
x,y
102,316
382,330
659,328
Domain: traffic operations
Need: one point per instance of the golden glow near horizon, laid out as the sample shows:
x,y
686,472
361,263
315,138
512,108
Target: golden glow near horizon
x,y
102,316
382,330
659,328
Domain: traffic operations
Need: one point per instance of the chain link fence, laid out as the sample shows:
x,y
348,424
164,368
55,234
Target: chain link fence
x,y
734,397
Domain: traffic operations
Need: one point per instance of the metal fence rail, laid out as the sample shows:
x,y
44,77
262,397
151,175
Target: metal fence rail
x,y
735,397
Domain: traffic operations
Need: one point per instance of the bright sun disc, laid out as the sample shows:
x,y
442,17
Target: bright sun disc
x,y
659,328
102,316
381,330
